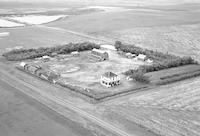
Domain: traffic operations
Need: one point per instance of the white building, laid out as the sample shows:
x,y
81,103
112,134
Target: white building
x,y
46,58
75,53
149,61
22,64
142,57
108,47
110,79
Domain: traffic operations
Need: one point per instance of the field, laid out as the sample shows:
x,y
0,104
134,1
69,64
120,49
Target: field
x,y
34,37
173,29
22,116
182,40
173,74
171,110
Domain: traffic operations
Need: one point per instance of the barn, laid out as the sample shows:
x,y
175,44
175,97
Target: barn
x,y
99,54
30,68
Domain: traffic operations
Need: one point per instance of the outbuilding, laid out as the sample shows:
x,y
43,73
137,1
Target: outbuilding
x,y
142,57
149,61
110,79
108,47
46,58
22,64
75,53
100,55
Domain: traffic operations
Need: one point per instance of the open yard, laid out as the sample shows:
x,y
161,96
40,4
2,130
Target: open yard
x,y
84,72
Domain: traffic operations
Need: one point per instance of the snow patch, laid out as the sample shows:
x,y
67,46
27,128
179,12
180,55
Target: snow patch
x,y
108,9
3,34
36,20
6,23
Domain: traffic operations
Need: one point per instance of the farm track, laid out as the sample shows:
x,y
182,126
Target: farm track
x,y
45,99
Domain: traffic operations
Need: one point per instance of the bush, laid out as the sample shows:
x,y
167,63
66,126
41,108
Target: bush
x,y
22,54
138,75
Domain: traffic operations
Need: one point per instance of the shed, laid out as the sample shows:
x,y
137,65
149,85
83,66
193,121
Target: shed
x,y
32,68
129,55
149,61
142,57
75,53
22,64
46,58
108,47
49,75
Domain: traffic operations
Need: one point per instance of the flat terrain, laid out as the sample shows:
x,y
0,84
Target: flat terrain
x,y
21,116
173,74
171,110
35,36
173,29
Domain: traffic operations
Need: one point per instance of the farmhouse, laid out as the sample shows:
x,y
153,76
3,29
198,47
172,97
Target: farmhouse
x,y
110,79
100,55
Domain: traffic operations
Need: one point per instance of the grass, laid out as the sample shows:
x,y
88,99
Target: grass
x,y
167,110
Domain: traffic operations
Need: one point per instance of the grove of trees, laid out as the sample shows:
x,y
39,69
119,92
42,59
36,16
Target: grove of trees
x,y
22,54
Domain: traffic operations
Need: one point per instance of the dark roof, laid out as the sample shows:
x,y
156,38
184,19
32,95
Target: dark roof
x,y
50,74
109,74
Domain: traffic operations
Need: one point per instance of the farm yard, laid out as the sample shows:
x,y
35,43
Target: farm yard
x,y
85,72
103,71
